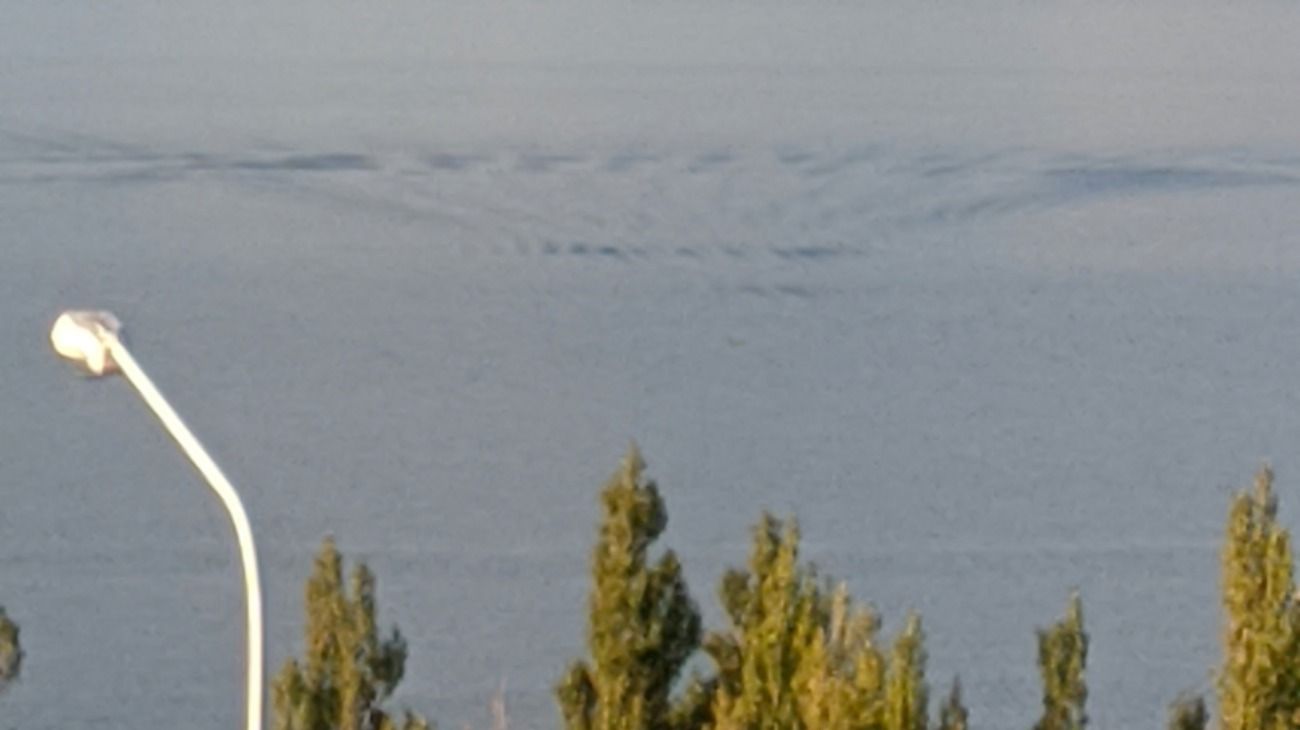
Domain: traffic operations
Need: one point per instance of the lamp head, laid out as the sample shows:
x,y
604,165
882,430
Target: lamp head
x,y
84,336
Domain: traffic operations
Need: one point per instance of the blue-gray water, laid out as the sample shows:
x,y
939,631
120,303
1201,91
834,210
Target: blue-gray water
x,y
998,300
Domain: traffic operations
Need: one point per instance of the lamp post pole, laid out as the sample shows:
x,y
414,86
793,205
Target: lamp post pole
x,y
92,340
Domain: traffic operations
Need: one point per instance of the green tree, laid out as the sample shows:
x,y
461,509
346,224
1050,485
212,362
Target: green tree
x,y
642,624
953,714
1062,659
1259,688
348,668
774,609
799,654
11,652
906,695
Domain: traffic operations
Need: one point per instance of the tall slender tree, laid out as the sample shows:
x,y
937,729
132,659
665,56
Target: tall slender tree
x,y
1259,682
953,714
348,669
1062,659
642,624
906,694
774,610
800,655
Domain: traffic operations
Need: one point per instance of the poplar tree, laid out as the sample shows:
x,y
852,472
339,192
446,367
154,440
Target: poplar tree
x,y
799,654
761,662
1062,659
953,714
906,695
841,672
642,624
348,669
1258,684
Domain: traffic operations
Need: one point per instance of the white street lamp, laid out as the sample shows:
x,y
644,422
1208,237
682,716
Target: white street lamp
x,y
91,340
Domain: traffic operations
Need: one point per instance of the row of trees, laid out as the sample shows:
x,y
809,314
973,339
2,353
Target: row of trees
x,y
798,652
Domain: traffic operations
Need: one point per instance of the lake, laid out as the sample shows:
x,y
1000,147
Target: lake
x,y
999,298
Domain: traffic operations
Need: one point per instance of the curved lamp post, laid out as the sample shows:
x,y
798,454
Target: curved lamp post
x,y
91,340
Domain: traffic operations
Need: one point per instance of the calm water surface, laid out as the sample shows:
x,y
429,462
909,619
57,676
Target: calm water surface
x,y
998,300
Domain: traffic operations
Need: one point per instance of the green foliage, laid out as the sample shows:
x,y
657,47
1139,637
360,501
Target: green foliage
x,y
643,625
1259,686
774,611
801,655
1062,659
11,652
1188,713
348,668
953,715
906,695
